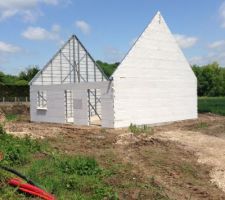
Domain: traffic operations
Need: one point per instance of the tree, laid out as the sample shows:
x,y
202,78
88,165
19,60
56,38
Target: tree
x,y
107,68
21,82
1,78
29,73
211,79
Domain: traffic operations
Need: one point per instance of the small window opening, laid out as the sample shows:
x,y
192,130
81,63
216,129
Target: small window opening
x,y
42,100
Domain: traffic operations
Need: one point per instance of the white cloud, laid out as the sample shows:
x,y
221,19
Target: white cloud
x,y
31,16
222,14
56,28
51,2
83,26
27,9
18,4
8,48
185,41
217,45
216,53
211,57
7,14
36,33
197,60
113,55
2,62
39,33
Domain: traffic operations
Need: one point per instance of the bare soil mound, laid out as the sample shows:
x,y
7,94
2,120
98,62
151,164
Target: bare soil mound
x,y
16,109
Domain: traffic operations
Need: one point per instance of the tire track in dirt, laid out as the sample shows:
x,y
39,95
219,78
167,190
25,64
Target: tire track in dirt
x,y
164,160
210,150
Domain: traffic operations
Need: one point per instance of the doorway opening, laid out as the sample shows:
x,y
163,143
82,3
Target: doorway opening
x,y
69,113
94,107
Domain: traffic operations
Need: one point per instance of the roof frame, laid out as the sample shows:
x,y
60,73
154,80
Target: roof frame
x,y
77,77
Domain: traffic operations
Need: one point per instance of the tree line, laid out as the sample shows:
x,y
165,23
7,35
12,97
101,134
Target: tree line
x,y
211,77
23,78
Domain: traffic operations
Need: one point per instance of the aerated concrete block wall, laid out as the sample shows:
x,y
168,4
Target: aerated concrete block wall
x,y
55,111
154,83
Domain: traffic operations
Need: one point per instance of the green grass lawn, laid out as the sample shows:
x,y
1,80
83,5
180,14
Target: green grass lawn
x,y
214,105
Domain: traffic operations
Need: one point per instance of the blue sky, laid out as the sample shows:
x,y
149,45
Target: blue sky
x,y
31,31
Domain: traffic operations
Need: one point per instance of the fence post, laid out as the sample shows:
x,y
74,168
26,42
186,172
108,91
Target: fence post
x,y
14,99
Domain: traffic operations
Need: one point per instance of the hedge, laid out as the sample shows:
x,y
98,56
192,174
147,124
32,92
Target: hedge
x,y
14,91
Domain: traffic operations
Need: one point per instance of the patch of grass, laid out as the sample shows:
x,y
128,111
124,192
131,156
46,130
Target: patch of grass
x,y
67,177
214,105
140,129
2,131
11,117
71,176
201,125
17,151
157,191
79,165
5,191
188,170
103,131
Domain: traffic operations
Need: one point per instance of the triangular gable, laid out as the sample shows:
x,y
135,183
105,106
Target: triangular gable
x,y
71,64
155,50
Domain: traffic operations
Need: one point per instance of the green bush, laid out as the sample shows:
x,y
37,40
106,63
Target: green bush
x,y
14,91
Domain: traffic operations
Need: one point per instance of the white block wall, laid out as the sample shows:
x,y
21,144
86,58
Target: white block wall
x,y
55,111
154,83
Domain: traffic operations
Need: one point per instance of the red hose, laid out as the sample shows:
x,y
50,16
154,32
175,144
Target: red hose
x,y
30,189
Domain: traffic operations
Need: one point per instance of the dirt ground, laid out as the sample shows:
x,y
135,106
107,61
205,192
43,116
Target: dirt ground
x,y
186,158
2,116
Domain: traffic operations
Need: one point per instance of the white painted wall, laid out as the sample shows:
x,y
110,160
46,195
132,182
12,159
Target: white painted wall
x,y
154,83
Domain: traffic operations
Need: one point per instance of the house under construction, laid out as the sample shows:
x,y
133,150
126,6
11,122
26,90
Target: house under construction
x,y
153,84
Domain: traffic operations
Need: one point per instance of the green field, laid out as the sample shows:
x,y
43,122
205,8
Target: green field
x,y
214,105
